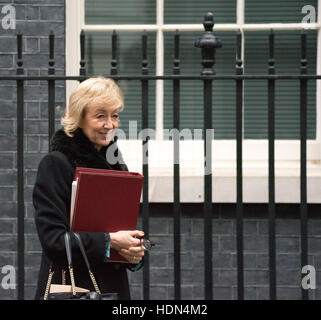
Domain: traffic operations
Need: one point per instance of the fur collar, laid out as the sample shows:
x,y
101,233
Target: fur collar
x,y
80,152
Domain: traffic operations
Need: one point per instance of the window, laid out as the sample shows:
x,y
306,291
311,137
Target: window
x,y
255,18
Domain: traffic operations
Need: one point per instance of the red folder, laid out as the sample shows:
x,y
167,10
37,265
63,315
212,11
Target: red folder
x,y
106,201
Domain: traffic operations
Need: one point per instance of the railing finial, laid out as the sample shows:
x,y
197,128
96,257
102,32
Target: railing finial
x,y
113,63
208,22
51,62
82,69
19,55
208,43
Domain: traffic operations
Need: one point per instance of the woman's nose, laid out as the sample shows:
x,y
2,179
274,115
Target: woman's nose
x,y
108,124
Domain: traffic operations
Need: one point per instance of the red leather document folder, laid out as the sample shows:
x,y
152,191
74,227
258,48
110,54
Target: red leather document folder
x,y
106,201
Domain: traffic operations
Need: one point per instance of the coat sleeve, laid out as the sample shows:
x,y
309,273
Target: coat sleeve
x,y
51,199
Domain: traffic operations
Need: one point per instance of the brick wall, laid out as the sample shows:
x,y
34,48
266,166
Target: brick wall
x,y
256,256
35,19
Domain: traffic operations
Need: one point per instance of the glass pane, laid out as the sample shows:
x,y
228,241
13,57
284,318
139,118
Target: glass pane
x,y
285,11
287,94
120,12
193,11
98,57
191,95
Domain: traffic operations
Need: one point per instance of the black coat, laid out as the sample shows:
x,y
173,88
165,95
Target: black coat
x,y
51,199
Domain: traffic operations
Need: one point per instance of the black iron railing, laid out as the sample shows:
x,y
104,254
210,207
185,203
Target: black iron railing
x,y
208,44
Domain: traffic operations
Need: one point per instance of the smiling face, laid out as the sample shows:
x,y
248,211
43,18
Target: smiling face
x,y
94,106
99,124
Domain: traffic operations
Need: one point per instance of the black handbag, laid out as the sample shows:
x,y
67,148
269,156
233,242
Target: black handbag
x,y
71,292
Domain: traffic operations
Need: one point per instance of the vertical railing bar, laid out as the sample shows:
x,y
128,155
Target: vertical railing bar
x,y
145,138
239,170
303,165
208,43
208,255
82,69
20,169
113,63
51,90
271,135
176,138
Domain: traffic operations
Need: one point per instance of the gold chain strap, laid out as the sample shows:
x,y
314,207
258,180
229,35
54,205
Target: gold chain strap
x,y
73,286
94,282
48,284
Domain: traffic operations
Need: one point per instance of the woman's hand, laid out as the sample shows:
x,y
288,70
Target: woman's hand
x,y
134,254
125,239
128,244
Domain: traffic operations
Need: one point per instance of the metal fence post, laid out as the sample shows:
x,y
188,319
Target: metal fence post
x,y
145,138
51,89
271,135
20,169
176,173
303,158
208,44
239,167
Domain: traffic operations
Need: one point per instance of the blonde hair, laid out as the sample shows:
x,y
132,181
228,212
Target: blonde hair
x,y
89,92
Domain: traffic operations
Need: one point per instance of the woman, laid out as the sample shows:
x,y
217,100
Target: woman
x,y
88,128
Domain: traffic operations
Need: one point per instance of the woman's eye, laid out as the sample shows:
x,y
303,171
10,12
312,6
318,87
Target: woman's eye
x,y
115,116
100,116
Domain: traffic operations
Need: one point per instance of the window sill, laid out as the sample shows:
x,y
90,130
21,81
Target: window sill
x,y
255,172
255,182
